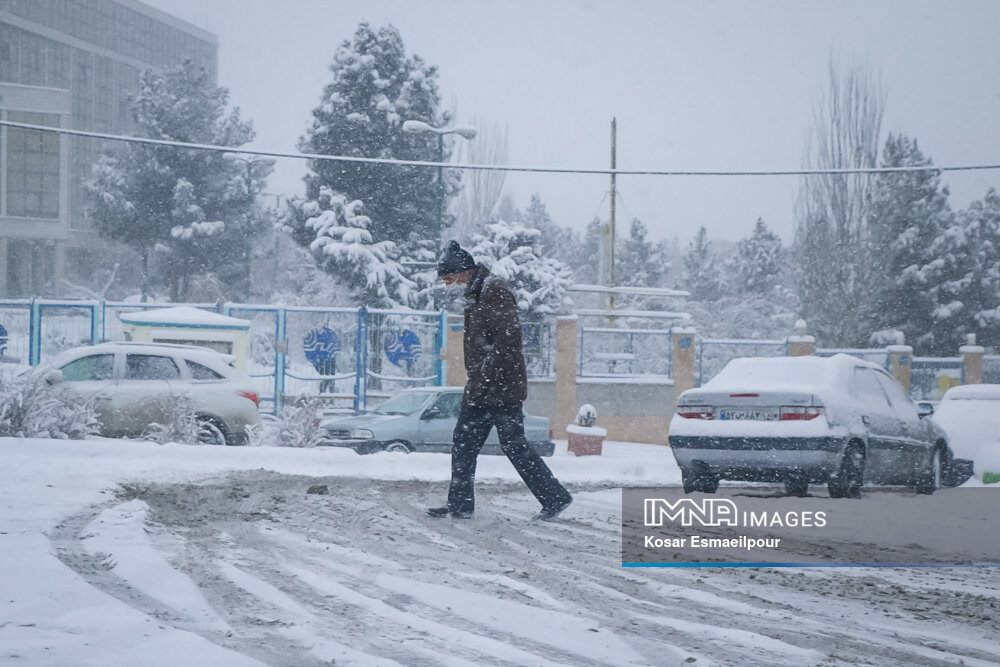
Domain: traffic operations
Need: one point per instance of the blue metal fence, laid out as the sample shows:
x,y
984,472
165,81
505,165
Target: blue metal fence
x,y
344,355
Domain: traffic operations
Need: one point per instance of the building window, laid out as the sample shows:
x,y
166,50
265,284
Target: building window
x,y
32,167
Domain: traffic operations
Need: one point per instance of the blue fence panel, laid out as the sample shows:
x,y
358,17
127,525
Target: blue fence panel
x,y
402,350
317,355
714,354
263,352
614,351
15,331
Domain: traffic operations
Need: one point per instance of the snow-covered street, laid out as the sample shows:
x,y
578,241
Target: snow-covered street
x,y
132,553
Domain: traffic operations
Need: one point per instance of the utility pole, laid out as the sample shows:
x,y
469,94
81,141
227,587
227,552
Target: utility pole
x,y
614,165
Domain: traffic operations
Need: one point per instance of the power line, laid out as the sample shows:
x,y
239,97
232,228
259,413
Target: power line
x,y
493,167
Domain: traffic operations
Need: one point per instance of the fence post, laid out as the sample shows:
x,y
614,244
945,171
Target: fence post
x,y
441,342
800,344
35,334
280,349
361,362
564,406
682,355
900,356
454,346
972,361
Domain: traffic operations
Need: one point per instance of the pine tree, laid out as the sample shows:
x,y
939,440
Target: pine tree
x,y
759,260
513,252
963,278
343,247
908,213
376,86
638,263
701,276
196,208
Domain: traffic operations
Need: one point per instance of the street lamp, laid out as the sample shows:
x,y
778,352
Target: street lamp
x,y
419,127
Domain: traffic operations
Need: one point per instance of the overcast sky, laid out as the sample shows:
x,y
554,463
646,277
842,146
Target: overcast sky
x,y
703,85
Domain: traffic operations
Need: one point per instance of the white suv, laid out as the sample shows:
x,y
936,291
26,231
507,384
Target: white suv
x,y
133,383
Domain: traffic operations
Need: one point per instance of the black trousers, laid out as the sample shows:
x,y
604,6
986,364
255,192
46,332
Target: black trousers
x,y
474,424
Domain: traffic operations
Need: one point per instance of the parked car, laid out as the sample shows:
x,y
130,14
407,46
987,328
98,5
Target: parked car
x,y
838,421
421,420
970,415
133,383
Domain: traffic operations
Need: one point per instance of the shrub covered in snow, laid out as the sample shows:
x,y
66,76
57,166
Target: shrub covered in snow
x,y
298,423
178,423
30,407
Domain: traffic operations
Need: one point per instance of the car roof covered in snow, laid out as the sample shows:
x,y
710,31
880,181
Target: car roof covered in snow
x,y
974,392
785,372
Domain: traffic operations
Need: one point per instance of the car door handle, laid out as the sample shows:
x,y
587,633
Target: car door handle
x,y
866,420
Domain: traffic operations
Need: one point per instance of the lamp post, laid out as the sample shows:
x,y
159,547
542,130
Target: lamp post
x,y
419,127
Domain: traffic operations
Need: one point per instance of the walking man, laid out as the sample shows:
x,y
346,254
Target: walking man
x,y
495,392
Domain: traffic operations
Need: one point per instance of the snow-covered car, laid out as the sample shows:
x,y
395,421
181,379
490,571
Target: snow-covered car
x,y
133,385
421,419
839,421
970,415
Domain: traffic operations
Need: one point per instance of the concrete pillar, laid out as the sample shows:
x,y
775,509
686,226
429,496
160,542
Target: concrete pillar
x,y
564,405
454,353
900,357
972,360
801,344
682,364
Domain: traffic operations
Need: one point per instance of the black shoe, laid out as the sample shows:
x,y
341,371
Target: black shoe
x,y
442,512
549,513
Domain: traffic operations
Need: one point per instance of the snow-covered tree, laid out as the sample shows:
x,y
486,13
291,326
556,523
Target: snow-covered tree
x,y
759,260
376,86
342,245
638,262
196,208
908,213
701,271
513,252
963,278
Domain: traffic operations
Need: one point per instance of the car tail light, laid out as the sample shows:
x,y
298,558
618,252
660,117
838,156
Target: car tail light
x,y
799,413
252,395
695,411
550,434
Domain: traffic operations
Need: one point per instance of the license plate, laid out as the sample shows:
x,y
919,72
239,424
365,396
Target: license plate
x,y
750,414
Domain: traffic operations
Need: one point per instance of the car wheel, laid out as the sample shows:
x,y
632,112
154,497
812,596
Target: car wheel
x,y
398,446
211,432
847,482
699,479
931,478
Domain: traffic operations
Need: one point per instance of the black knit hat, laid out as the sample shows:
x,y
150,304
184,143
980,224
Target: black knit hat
x,y
455,260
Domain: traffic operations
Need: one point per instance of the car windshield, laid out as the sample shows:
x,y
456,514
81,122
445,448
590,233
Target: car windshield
x,y
402,404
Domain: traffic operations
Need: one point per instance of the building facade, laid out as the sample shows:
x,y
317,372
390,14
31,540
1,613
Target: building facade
x,y
72,64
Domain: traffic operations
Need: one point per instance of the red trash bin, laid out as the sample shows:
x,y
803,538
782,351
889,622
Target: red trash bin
x,y
585,440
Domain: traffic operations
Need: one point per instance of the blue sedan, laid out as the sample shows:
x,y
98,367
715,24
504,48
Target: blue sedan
x,y
420,420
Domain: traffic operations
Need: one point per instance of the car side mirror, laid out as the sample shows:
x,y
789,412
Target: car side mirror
x,y
925,409
54,377
432,413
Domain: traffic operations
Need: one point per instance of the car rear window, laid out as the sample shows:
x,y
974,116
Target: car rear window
x,y
150,367
93,367
199,372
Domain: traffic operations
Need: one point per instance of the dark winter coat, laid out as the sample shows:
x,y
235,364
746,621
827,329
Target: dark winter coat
x,y
493,357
